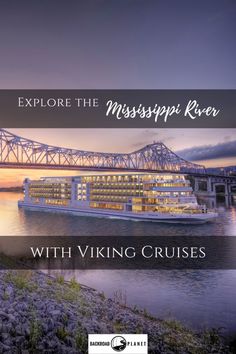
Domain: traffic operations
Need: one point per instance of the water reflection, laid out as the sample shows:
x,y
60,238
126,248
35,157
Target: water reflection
x,y
217,201
200,299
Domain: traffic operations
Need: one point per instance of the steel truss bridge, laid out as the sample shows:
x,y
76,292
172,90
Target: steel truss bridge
x,y
18,152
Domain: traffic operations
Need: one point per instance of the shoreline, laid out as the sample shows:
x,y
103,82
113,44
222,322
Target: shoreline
x,y
12,189
42,313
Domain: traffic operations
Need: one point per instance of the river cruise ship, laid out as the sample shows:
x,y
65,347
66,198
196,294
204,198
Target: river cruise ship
x,y
146,197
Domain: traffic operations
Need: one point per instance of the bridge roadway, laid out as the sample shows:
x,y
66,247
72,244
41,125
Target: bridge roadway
x,y
203,175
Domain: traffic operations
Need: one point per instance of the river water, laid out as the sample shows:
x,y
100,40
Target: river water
x,y
199,298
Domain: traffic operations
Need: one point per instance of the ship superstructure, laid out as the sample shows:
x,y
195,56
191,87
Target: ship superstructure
x,y
154,197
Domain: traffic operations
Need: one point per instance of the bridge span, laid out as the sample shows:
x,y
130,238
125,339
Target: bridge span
x,y
19,152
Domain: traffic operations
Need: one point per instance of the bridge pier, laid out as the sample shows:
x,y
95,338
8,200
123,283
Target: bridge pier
x,y
207,186
208,189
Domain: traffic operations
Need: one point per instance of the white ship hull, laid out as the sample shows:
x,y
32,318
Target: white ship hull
x,y
183,218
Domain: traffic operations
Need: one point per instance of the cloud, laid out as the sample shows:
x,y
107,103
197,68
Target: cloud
x,y
227,138
148,136
210,152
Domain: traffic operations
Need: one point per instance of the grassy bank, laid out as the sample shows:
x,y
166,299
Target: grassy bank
x,y
41,314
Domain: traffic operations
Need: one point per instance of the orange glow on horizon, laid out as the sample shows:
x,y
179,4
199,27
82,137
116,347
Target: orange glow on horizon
x,y
15,177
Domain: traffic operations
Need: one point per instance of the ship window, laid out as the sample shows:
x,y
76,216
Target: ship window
x,y
103,205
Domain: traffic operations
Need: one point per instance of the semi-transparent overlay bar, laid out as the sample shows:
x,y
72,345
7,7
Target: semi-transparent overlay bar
x,y
117,108
114,252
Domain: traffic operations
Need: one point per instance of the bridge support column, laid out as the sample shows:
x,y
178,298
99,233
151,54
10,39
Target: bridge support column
x,y
196,185
209,191
209,187
227,189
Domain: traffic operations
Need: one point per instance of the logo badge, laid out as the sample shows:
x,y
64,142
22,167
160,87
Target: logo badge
x,y
118,343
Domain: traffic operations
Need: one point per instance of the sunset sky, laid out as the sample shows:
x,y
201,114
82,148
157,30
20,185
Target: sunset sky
x,y
121,44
